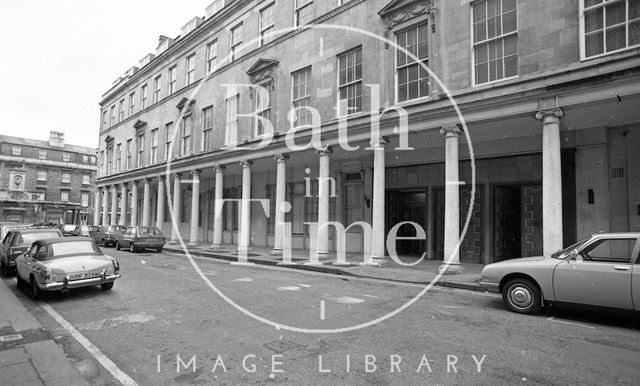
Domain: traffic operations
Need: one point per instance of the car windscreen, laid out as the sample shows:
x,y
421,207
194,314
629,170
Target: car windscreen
x,y
563,253
69,228
28,238
148,231
71,248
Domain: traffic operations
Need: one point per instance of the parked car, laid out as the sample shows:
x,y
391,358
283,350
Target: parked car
x,y
85,230
65,263
601,270
139,237
18,241
106,234
5,227
67,229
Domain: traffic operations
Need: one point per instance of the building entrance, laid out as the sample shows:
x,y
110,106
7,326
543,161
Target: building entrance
x,y
407,205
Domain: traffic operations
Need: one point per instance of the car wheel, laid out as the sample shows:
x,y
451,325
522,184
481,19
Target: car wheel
x,y
4,269
106,286
522,296
21,283
132,247
159,250
36,292
117,246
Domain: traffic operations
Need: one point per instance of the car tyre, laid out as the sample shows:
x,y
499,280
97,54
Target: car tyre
x,y
522,296
132,247
36,292
4,269
159,250
117,246
21,283
106,286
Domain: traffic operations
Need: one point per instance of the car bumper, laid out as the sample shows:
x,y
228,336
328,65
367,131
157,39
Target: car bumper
x,y
66,284
489,286
146,244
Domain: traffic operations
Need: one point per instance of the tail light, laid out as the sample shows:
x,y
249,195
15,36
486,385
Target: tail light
x,y
116,266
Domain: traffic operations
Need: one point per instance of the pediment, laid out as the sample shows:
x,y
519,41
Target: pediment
x,y
261,65
398,11
139,124
185,104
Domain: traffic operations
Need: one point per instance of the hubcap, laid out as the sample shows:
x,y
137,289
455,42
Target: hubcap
x,y
520,296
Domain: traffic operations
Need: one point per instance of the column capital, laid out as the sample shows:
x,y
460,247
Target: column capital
x,y
246,163
218,168
378,142
195,173
146,180
554,112
325,150
160,177
176,176
450,130
281,157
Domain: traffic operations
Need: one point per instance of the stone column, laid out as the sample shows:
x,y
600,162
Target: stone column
x,y
324,185
551,180
134,203
244,240
105,206
217,208
124,193
281,195
175,212
195,209
96,206
114,205
146,203
160,204
451,264
378,236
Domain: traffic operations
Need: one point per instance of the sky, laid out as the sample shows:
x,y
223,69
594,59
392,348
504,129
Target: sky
x,y
57,58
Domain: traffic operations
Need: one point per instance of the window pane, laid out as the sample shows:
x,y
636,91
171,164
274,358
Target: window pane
x,y
509,21
589,3
634,9
616,38
615,13
594,43
634,33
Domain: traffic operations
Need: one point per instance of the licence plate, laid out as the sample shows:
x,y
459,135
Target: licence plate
x,y
83,275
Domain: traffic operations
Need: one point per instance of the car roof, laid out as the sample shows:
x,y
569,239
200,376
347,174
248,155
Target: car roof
x,y
35,230
617,234
63,240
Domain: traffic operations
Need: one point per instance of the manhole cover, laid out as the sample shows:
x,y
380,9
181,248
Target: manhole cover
x,y
281,346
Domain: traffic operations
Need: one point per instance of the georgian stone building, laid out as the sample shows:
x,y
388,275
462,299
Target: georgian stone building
x,y
46,181
548,129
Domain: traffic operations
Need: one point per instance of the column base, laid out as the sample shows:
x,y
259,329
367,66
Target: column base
x,y
276,252
376,261
450,269
244,249
242,263
216,246
282,263
173,242
193,245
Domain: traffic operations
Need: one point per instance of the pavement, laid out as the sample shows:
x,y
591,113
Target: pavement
x,y
422,272
28,354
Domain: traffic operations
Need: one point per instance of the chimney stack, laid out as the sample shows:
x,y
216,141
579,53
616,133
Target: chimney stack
x,y
56,138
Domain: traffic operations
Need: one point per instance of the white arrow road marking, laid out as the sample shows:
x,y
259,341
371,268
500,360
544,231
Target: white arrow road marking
x,y
289,288
321,309
107,363
245,279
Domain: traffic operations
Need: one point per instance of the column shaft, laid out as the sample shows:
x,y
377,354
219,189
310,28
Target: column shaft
x,y
378,235
452,202
245,215
124,193
175,212
324,185
96,207
105,206
281,192
195,209
217,208
134,204
160,204
146,203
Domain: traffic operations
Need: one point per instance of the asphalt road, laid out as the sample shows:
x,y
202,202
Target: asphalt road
x,y
162,324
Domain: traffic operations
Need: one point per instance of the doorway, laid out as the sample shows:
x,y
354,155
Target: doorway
x,y
407,205
517,221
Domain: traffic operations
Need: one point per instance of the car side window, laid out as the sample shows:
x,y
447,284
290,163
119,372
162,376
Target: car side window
x,y
613,251
7,238
33,250
42,252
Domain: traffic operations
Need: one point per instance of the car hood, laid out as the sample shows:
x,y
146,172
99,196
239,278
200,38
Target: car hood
x,y
79,263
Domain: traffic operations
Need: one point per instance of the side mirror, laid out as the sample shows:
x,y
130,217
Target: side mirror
x,y
574,255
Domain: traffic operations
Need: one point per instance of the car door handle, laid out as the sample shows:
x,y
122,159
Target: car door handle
x,y
621,267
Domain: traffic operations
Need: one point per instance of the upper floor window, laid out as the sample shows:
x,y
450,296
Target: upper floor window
x,y
412,79
172,79
85,199
85,159
143,97
350,82
101,170
64,196
66,157
132,103
301,96
187,128
86,179
231,128
42,154
609,26
168,128
190,74
263,98
207,128
93,159
157,87
16,150
129,151
42,175
104,119
121,111
236,41
154,146
113,115
495,40
212,54
66,177
140,158
304,12
267,24
118,158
